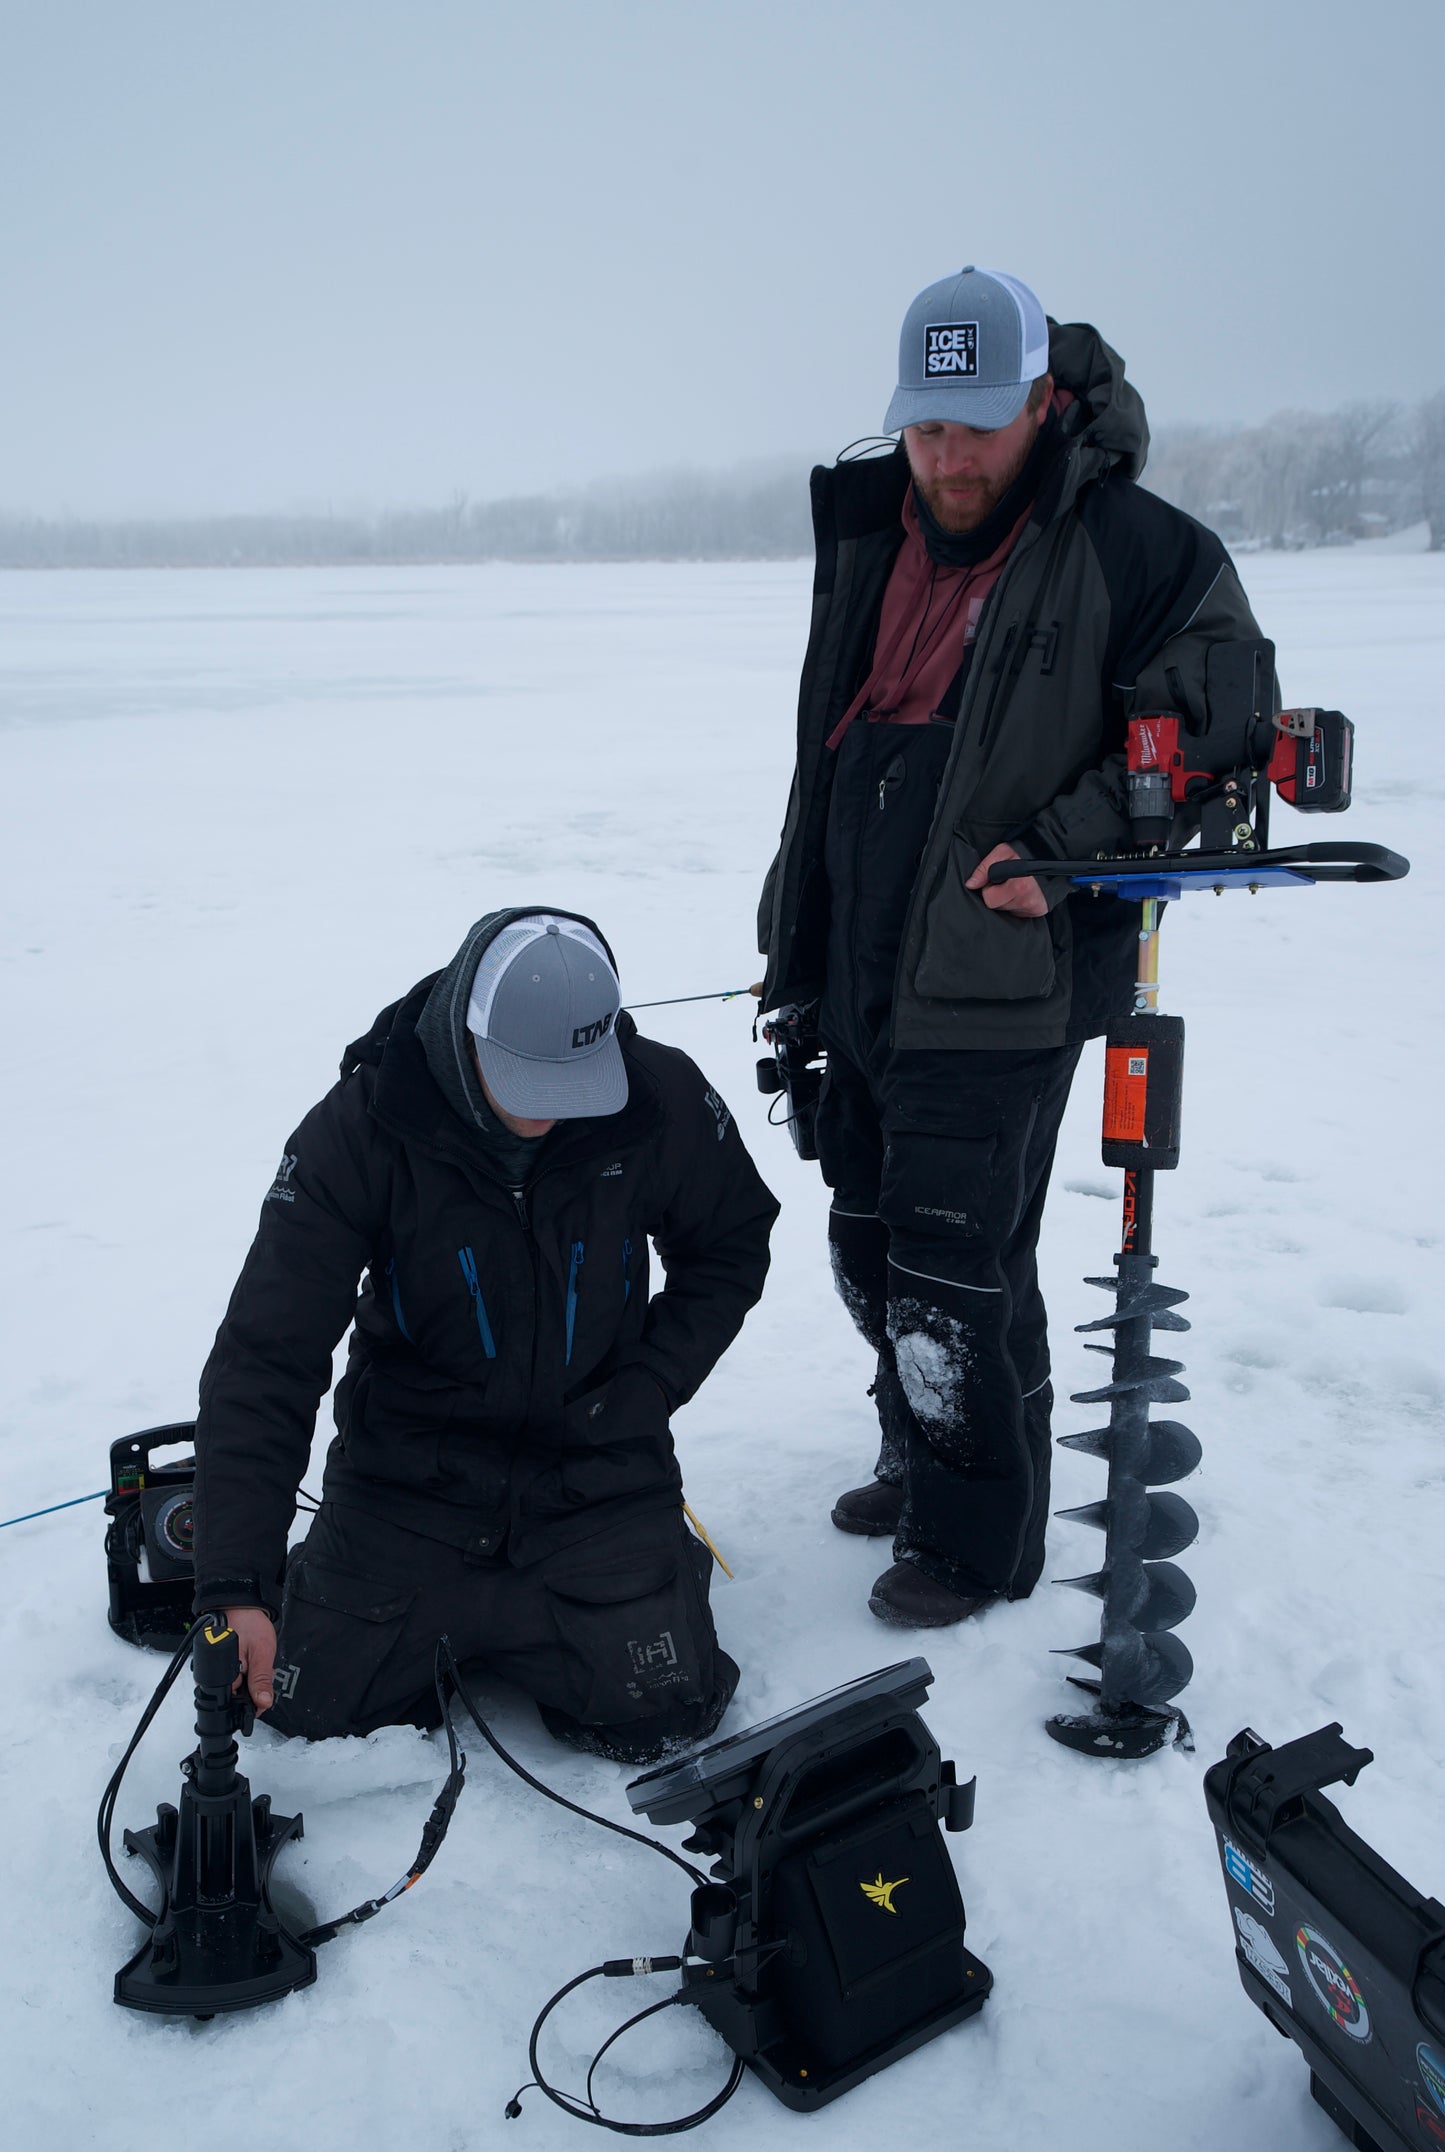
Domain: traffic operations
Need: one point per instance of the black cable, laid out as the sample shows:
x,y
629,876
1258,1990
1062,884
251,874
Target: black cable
x,y
434,1831
105,1816
639,1838
668,2002
585,2110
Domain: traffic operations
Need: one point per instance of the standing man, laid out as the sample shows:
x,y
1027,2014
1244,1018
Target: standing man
x,y
499,1150
991,601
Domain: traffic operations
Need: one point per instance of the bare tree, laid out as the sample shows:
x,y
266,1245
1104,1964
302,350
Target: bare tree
x,y
1428,442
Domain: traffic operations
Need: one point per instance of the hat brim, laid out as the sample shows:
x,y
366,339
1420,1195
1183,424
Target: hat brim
x,y
572,1090
957,403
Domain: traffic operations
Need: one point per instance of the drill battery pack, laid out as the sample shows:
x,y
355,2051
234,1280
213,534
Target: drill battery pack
x,y
1341,1954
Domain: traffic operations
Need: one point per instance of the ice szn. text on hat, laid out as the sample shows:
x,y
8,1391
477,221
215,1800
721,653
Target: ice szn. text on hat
x,y
951,347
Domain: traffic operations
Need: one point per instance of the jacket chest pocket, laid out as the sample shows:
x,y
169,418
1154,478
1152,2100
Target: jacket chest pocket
x,y
466,1258
604,1292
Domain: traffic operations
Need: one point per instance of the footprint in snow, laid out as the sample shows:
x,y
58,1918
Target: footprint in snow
x,y
1364,1296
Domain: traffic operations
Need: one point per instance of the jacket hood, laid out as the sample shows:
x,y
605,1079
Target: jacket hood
x,y
427,1083
1111,409
442,1024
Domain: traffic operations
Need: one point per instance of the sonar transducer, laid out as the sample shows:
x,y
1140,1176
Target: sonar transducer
x,y
218,1942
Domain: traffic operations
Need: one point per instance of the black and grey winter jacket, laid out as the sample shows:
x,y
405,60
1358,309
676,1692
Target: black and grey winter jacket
x,y
1109,603
510,1368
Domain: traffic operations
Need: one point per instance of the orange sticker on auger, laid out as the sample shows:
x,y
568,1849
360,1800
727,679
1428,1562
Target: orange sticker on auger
x,y
1126,1087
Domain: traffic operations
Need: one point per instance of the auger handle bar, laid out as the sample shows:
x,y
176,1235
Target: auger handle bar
x,y
1324,862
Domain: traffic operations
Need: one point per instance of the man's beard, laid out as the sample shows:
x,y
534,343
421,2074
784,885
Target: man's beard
x,y
961,513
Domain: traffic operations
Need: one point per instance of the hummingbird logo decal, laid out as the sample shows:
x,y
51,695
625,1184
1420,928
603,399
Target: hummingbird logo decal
x,y
881,1893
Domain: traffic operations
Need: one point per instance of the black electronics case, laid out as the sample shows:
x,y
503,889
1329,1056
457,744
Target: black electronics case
x,y
1339,1952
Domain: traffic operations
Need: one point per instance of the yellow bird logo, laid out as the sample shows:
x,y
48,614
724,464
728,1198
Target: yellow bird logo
x,y
881,1893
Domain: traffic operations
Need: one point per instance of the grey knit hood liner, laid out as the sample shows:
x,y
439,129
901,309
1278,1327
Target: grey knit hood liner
x,y
446,1041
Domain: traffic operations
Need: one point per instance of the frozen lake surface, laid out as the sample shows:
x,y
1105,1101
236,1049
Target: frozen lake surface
x,y
242,812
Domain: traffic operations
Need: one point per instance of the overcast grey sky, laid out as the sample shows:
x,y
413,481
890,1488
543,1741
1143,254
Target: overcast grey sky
x,y
299,253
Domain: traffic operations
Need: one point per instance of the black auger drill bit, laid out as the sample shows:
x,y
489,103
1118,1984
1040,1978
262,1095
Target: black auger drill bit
x,y
1141,1664
1145,1595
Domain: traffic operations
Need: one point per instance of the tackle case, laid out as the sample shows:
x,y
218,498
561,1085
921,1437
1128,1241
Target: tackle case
x,y
1341,1954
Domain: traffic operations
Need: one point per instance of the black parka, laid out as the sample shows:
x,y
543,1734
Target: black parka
x,y
509,1366
1108,603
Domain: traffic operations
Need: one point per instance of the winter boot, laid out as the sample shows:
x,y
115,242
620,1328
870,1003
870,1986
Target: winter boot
x,y
909,1599
871,1511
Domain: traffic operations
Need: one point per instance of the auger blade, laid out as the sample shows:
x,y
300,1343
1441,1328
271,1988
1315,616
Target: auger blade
x,y
1155,1301
1087,1513
1146,1595
1174,1450
1094,1653
1154,1382
1159,1296
1150,1527
1145,1668
1165,1319
1094,1442
1169,1597
1172,1527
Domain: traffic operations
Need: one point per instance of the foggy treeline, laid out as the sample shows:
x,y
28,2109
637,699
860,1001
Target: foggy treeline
x,y
1310,478
1302,478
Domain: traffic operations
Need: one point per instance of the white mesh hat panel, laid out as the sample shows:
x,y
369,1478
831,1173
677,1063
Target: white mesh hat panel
x,y
542,1010
499,953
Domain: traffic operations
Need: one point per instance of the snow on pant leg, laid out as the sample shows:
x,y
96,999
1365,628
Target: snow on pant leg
x,y
850,1146
970,1142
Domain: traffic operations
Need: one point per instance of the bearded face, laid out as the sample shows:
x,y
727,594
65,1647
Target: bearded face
x,y
964,473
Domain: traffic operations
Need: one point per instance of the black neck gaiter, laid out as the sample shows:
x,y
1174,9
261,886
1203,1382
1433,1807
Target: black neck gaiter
x,y
965,549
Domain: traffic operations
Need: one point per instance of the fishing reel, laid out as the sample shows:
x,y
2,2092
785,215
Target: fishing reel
x,y
794,1070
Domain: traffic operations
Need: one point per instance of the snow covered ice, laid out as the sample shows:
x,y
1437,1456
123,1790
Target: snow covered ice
x,y
244,811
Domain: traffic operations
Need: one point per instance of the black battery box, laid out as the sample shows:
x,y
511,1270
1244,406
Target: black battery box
x,y
1341,1954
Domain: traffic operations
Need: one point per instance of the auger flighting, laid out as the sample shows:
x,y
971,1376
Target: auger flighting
x,y
1209,772
1142,1664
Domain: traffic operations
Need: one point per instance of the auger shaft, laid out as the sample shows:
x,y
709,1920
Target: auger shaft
x,y
1141,1664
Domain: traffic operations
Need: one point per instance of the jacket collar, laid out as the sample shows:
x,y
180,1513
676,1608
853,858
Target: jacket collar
x,y
408,1101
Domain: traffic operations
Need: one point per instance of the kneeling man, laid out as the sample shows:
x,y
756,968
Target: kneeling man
x,y
499,1150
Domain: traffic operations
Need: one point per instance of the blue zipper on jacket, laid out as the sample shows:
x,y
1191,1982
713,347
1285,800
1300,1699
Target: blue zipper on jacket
x,y
469,1271
578,1253
626,1267
396,1302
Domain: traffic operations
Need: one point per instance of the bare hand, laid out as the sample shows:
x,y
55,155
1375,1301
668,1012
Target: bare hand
x,y
1023,898
256,1635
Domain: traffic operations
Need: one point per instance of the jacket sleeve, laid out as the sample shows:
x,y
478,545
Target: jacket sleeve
x,y
1173,593
271,1362
714,1218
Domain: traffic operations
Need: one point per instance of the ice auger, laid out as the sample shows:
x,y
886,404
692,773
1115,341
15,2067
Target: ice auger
x,y
1209,776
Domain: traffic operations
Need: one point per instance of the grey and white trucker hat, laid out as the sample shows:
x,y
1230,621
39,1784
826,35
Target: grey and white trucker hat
x,y
543,1008
971,348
